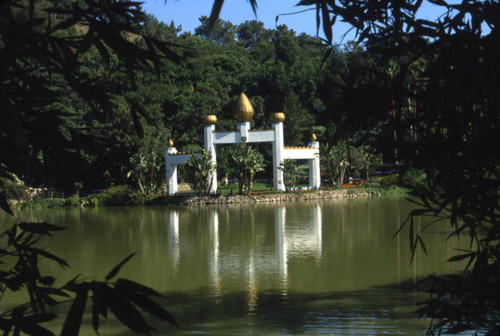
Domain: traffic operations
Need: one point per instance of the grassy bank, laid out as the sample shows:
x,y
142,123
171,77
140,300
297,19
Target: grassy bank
x,y
391,185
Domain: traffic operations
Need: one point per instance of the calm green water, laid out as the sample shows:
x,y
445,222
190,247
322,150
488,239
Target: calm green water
x,y
310,268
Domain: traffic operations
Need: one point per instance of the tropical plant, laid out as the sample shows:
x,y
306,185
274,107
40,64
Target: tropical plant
x,y
248,161
292,173
199,168
147,171
335,161
362,158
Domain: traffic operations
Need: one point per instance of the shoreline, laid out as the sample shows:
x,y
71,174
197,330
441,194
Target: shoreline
x,y
282,197
125,198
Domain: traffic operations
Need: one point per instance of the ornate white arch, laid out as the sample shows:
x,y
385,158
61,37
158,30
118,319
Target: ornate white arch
x,y
243,114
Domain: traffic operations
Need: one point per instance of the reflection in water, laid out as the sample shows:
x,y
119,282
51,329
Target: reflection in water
x,y
305,240
327,267
281,247
213,255
253,291
173,238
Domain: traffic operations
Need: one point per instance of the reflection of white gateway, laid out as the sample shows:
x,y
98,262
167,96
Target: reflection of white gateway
x,y
243,114
297,241
304,239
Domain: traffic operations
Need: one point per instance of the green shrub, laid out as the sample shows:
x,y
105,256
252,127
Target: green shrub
x,y
118,195
414,179
73,201
139,198
389,180
48,203
395,190
95,200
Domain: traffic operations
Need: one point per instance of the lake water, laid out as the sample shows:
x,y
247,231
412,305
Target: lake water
x,y
327,267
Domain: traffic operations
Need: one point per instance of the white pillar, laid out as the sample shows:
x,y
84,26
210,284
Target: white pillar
x,y
314,169
243,128
208,138
171,172
278,144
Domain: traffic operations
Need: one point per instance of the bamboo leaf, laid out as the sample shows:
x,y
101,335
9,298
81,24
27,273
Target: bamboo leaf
x,y
50,256
172,56
419,212
73,320
126,312
103,51
35,330
117,268
99,306
462,257
67,23
327,25
439,3
318,18
54,291
131,286
40,228
152,307
412,239
5,205
39,318
422,245
253,3
401,227
214,15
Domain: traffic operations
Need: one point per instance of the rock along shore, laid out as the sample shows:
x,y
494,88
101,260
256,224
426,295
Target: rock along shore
x,y
282,197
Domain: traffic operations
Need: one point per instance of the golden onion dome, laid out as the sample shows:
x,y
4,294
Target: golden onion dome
x,y
277,117
210,119
313,137
170,143
244,110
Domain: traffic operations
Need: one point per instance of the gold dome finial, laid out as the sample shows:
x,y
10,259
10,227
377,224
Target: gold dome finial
x,y
209,119
313,137
244,110
277,117
170,143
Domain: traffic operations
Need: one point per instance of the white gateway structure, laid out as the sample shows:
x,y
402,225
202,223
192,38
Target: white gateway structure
x,y
243,114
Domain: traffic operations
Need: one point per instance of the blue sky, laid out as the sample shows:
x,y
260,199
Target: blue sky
x,y
186,13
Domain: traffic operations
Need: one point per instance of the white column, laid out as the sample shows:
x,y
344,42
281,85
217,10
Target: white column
x,y
210,148
314,169
171,172
278,144
243,128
